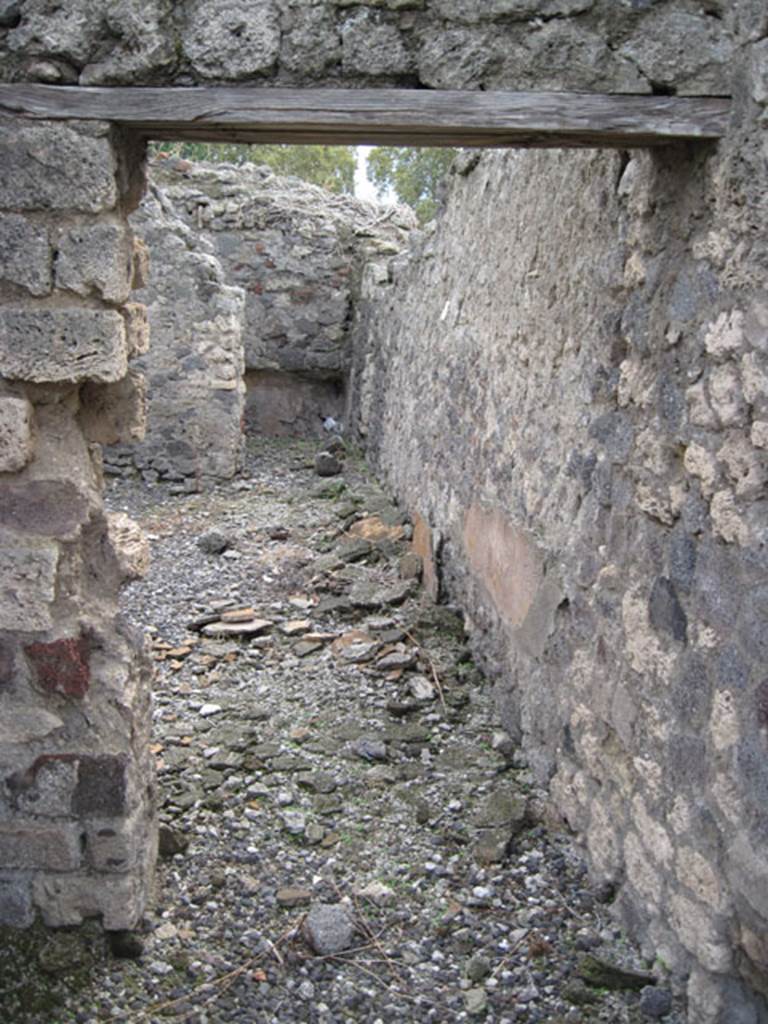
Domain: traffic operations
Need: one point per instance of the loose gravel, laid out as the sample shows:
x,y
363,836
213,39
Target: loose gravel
x,y
347,835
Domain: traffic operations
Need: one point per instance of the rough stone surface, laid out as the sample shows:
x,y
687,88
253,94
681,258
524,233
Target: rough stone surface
x,y
610,414
61,666
329,929
16,436
66,334
581,440
299,253
194,369
25,254
47,166
62,345
505,44
95,258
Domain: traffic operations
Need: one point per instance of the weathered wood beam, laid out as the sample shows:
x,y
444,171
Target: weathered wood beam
x,y
374,116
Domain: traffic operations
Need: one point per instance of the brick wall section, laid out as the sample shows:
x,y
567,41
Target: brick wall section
x,y
75,798
578,358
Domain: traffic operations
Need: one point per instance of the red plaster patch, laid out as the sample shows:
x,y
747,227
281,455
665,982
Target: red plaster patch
x,y
62,666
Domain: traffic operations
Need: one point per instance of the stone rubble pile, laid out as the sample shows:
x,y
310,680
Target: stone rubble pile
x,y
346,832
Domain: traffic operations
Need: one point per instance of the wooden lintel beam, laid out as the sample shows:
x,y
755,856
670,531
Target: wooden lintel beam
x,y
375,116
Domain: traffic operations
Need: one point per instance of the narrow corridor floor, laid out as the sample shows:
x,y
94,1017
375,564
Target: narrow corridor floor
x,y
346,834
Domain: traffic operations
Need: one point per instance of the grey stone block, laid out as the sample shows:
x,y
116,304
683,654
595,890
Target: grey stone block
x,y
52,166
96,258
25,255
231,39
16,908
62,345
39,847
28,571
16,440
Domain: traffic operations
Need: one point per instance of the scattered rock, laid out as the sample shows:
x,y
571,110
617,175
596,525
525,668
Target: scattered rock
x,y
655,1003
577,993
502,807
238,615
294,822
293,896
326,464
370,749
600,973
253,627
214,542
375,530
410,566
306,647
316,782
478,968
171,841
125,945
399,659
476,1002
377,893
353,549
295,627
421,688
329,929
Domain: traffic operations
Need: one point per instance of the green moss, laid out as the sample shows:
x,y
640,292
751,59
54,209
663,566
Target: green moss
x,y
41,968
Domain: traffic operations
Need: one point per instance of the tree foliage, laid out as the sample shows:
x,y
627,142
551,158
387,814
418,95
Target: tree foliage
x,y
414,175
332,167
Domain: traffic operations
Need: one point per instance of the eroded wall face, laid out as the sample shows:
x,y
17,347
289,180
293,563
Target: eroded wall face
x,y
297,252
636,46
76,779
568,382
194,367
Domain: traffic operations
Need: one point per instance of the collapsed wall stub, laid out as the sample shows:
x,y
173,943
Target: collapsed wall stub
x,y
249,297
194,368
298,253
65,341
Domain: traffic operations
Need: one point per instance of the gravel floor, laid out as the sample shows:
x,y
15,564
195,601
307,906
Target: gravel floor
x,y
347,834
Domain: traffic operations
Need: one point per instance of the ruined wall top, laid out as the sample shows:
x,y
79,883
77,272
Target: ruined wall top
x,y
622,46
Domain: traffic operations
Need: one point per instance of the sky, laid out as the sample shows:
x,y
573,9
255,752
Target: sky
x,y
363,187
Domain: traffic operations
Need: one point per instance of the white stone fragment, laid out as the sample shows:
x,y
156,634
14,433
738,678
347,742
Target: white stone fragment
x,y
16,438
725,335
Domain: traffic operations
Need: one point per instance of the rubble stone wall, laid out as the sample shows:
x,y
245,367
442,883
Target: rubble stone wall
x,y
194,367
602,421
297,251
568,383
77,830
623,46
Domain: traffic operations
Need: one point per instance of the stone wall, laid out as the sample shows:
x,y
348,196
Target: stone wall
x,y
568,384
194,369
627,46
611,414
76,777
298,252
